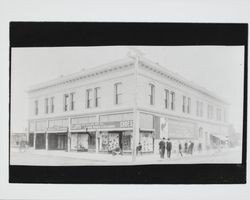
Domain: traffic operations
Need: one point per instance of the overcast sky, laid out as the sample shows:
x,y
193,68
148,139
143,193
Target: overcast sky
x,y
217,68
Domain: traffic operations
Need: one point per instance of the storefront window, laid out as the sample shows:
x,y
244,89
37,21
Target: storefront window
x,y
146,139
104,141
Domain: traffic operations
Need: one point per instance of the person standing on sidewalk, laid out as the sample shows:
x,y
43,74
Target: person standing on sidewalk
x,y
191,148
186,147
162,148
169,148
180,149
139,149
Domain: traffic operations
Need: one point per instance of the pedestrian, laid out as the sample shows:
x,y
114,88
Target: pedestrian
x,y
169,148
162,148
22,146
139,149
200,147
180,149
191,148
186,147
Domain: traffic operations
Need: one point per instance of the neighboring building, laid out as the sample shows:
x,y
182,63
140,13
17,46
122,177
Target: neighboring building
x,y
104,107
16,138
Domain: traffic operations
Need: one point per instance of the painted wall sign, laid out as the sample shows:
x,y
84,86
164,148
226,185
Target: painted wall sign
x,y
103,125
57,128
180,129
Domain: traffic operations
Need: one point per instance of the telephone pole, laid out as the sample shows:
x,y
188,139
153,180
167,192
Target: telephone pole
x,y
136,133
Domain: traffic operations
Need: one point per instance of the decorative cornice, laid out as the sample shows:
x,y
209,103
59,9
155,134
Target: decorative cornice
x,y
94,72
174,77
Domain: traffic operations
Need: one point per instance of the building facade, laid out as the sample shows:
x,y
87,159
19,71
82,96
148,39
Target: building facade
x,y
120,104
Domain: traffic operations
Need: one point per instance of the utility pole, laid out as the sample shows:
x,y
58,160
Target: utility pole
x,y
135,109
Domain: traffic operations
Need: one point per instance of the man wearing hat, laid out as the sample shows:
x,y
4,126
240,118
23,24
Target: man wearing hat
x,y
162,148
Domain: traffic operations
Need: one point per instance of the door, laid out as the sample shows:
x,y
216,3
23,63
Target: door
x,y
31,139
40,141
62,141
52,141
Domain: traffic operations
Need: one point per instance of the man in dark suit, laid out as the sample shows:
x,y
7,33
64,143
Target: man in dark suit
x,y
162,148
169,148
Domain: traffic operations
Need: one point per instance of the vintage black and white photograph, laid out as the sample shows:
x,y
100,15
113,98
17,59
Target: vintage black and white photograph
x,y
127,105
124,99
93,105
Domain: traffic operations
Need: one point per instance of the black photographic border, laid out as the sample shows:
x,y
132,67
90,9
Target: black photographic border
x,y
56,34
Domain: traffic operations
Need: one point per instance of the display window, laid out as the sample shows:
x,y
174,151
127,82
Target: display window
x,y
113,141
146,139
80,142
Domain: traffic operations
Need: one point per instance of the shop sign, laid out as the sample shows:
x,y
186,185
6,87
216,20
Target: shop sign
x,y
180,129
57,128
103,125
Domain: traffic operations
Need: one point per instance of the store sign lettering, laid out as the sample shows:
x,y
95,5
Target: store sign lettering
x,y
55,128
103,125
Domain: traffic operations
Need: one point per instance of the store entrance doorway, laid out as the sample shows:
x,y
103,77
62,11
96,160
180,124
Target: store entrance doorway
x,y
40,141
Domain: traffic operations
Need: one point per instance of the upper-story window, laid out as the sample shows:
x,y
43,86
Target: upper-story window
x,y
46,105
151,94
184,104
210,111
189,105
199,108
172,100
218,114
97,96
118,93
225,115
72,101
89,98
52,106
36,107
66,102
166,98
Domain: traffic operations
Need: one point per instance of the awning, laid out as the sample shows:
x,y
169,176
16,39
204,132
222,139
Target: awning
x,y
221,137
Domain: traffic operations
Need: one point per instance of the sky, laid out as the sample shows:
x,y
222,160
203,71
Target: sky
x,y
219,69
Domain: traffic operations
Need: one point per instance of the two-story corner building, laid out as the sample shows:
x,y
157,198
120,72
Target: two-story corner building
x,y
120,104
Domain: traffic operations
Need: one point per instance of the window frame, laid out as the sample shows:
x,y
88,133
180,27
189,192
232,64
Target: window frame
x,y
97,96
46,105
152,94
88,98
172,107
117,94
166,101
36,107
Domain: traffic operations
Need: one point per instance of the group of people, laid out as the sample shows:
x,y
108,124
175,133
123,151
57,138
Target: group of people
x,y
165,145
188,148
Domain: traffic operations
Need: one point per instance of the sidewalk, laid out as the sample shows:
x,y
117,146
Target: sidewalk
x,y
108,159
